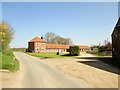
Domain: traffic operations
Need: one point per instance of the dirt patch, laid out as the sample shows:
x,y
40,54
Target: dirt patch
x,y
10,79
95,77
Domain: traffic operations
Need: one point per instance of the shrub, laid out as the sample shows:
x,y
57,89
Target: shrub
x,y
74,50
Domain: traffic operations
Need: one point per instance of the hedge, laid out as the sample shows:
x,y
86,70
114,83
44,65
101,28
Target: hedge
x,y
74,50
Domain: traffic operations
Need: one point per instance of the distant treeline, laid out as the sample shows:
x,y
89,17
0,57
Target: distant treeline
x,y
19,49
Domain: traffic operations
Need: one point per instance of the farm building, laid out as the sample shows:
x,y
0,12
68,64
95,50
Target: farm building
x,y
116,42
39,45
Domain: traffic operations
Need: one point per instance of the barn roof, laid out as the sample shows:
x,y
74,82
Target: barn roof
x,y
61,46
118,23
117,26
84,47
55,46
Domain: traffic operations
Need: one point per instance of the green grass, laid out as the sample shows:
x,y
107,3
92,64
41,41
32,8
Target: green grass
x,y
101,53
48,55
9,62
19,49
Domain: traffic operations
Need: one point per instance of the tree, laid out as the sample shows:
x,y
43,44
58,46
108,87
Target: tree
x,y
51,37
61,40
6,33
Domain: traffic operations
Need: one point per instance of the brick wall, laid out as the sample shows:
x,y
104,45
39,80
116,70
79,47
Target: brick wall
x,y
39,47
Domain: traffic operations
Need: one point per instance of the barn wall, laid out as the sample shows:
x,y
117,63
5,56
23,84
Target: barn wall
x,y
116,42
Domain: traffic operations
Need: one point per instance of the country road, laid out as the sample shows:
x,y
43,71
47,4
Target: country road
x,y
36,74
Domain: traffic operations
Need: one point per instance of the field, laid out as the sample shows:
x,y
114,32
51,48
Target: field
x,y
9,62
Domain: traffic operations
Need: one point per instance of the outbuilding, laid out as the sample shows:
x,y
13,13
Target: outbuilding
x,y
116,42
39,45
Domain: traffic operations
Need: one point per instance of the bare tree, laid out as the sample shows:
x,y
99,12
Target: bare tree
x,y
51,37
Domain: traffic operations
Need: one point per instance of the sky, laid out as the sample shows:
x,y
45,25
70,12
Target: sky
x,y
60,0
86,23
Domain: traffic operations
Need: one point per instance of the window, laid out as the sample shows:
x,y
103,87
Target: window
x,y
37,49
42,49
42,44
37,43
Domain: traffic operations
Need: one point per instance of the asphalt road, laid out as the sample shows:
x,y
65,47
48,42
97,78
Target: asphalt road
x,y
37,74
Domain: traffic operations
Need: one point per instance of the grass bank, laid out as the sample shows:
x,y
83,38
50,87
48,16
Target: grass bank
x,y
9,62
49,55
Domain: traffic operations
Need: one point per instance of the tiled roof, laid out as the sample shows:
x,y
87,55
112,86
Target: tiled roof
x,y
37,39
84,47
55,46
61,46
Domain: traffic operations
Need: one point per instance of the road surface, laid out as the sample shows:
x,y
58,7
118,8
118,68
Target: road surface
x,y
37,74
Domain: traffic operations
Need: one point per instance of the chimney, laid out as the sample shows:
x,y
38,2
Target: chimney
x,y
42,37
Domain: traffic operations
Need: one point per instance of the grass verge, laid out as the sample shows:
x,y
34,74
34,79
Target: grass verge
x,y
9,62
109,53
48,55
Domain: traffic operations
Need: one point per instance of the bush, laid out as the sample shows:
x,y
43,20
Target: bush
x,y
74,50
8,52
103,53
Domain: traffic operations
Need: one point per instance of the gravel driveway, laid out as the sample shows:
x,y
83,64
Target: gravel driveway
x,y
95,73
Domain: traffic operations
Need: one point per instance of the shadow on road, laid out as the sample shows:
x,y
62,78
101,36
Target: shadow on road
x,y
97,62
